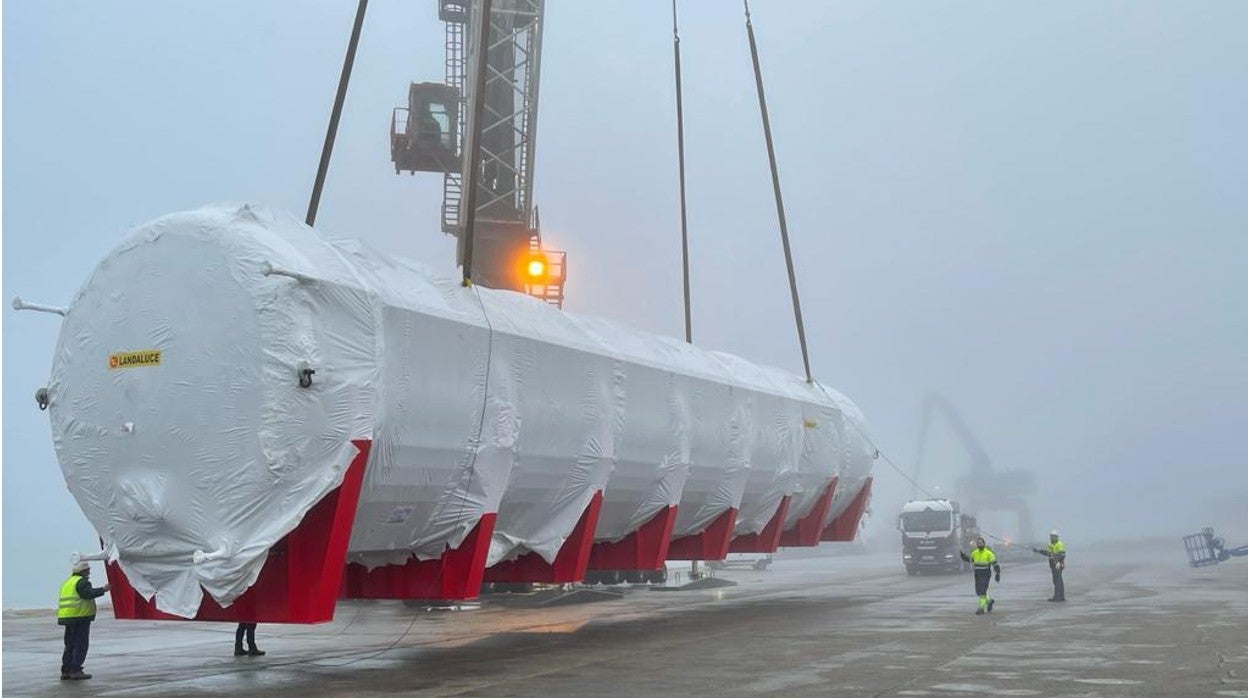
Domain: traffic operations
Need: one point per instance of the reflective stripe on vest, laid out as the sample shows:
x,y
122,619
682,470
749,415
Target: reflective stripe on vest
x,y
982,559
71,605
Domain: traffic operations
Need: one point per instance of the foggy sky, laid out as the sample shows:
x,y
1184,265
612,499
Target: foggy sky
x,y
1037,210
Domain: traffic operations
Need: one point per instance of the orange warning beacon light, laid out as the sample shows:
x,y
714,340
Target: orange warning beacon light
x,y
535,268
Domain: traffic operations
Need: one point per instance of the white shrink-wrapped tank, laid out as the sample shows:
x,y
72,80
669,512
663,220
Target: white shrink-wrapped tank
x,y
213,373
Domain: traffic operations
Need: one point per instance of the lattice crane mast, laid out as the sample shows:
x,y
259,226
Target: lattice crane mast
x,y
434,131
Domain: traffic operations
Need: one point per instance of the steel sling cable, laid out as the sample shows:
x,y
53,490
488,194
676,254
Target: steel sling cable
x,y
331,133
775,185
914,483
680,149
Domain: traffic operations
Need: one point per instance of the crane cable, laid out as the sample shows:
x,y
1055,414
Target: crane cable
x,y
335,114
680,149
775,184
784,234
915,483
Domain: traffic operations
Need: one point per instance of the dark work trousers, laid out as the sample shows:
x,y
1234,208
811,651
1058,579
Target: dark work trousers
x,y
250,630
77,637
982,578
1059,587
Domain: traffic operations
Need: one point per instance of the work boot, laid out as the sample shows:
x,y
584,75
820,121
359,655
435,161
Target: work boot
x,y
79,676
991,602
255,652
64,675
240,652
979,611
1053,598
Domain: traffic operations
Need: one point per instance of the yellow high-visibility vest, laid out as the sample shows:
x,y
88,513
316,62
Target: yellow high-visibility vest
x,y
72,605
983,559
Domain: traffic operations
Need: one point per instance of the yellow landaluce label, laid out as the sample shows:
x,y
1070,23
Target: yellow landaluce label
x,y
134,359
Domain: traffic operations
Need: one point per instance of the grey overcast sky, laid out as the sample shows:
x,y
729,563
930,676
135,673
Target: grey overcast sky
x,y
1037,209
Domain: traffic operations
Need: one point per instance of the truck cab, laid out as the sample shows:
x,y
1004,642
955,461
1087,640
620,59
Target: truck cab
x,y
933,531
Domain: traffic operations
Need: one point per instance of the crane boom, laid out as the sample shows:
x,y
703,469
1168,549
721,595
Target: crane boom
x,y
982,488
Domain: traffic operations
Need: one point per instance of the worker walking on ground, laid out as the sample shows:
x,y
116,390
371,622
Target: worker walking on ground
x,y
75,611
1056,553
985,563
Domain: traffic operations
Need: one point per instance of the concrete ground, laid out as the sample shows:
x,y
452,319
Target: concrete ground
x,y
845,626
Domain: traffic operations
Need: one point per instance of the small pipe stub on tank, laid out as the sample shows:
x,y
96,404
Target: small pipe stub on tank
x,y
42,399
269,269
19,304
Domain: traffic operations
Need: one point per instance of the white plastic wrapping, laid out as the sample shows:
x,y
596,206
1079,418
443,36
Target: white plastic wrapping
x,y
477,401
191,468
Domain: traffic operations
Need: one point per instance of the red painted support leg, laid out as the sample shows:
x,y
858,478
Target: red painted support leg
x,y
844,527
766,541
710,544
643,549
453,577
299,582
805,533
569,564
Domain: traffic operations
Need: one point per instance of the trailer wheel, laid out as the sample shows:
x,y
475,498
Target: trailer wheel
x,y
911,570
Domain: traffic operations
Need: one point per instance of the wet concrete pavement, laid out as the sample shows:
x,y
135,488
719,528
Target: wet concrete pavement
x,y
846,626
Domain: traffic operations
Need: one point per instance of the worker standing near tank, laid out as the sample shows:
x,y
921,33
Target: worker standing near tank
x,y
1056,553
249,630
985,563
75,610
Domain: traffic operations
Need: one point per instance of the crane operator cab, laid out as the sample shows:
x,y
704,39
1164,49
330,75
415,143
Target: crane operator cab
x,y
424,136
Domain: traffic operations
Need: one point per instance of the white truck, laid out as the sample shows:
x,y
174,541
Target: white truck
x,y
932,533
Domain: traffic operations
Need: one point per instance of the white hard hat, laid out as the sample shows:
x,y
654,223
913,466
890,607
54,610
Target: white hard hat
x,y
81,566
1053,532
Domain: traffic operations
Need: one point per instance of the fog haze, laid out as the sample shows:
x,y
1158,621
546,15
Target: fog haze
x,y
1036,210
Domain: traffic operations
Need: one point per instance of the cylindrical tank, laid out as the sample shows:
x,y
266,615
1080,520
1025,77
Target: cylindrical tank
x,y
212,373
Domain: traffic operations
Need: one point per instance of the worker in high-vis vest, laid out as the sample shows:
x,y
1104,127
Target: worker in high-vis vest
x,y
1056,553
985,563
75,611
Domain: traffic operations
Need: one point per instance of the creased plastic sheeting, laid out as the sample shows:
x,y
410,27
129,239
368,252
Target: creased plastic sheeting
x,y
431,474
774,449
822,458
177,463
570,397
653,451
857,455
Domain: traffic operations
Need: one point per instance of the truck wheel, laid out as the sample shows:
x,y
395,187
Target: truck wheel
x,y
910,570
760,565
